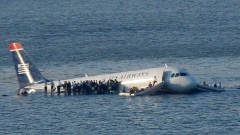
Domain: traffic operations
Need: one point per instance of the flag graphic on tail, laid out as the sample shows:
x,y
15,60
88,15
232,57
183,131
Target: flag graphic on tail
x,y
23,68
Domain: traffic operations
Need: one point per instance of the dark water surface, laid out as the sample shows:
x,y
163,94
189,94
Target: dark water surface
x,y
67,39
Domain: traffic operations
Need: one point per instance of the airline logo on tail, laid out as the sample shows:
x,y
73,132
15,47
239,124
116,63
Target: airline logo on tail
x,y
23,68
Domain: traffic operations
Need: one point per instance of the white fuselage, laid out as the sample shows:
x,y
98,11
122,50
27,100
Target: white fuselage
x,y
176,79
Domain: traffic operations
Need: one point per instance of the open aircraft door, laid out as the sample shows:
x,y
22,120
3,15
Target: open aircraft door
x,y
166,77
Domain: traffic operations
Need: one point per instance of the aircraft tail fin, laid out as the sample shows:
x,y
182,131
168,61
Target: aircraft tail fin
x,y
26,71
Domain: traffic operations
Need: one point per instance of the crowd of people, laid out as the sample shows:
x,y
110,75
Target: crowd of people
x,y
215,85
87,87
91,87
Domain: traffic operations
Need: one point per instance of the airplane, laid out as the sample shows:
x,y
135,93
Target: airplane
x,y
166,79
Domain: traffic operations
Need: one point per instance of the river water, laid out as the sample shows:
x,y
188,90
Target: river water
x,y
68,39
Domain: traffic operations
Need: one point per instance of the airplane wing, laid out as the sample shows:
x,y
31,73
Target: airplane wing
x,y
201,87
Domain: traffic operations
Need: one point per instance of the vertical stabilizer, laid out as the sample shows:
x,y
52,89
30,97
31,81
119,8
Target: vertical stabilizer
x,y
26,71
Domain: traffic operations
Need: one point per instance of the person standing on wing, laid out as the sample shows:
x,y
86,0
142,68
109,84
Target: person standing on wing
x,y
52,87
155,80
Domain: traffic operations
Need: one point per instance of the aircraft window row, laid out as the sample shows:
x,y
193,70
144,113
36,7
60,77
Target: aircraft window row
x,y
178,74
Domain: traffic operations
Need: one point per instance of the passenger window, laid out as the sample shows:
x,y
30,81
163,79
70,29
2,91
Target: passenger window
x,y
173,75
177,74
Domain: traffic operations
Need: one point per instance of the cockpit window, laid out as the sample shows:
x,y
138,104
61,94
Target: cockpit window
x,y
183,74
179,74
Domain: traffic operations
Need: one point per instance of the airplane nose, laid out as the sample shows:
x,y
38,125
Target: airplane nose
x,y
191,83
187,84
182,84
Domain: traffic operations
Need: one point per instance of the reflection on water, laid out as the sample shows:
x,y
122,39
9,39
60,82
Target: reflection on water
x,y
92,114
